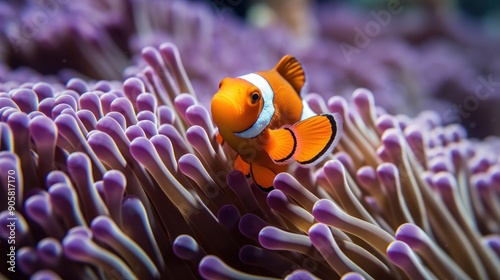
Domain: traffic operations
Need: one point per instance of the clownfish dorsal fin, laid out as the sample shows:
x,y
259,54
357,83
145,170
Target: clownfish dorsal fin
x,y
290,69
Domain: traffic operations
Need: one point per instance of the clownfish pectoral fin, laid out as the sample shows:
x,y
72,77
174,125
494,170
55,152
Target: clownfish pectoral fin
x,y
316,137
262,176
241,165
220,140
290,69
280,145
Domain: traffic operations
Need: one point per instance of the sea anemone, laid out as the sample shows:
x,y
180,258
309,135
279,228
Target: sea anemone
x,y
127,181
437,57
124,178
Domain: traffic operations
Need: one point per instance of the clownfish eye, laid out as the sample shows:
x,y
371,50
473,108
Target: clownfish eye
x,y
255,97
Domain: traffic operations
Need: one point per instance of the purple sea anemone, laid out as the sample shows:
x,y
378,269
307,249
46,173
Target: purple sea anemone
x,y
123,178
127,181
412,56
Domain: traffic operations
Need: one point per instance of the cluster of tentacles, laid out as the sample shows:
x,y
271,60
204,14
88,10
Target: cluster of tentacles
x,y
127,180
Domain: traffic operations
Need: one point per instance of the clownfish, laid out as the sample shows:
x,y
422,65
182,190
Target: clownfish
x,y
262,117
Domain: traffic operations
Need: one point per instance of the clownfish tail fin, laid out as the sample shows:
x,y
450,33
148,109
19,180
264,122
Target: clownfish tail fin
x,y
316,137
262,176
241,165
290,69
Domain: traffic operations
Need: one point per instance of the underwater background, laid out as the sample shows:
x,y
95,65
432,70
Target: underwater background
x,y
110,167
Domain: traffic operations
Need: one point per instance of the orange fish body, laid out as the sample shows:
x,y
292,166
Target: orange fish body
x,y
262,117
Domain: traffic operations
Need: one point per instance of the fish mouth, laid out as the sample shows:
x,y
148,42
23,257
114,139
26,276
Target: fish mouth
x,y
227,113
223,105
225,99
231,113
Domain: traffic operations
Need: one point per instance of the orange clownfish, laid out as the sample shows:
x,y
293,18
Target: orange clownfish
x,y
262,117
